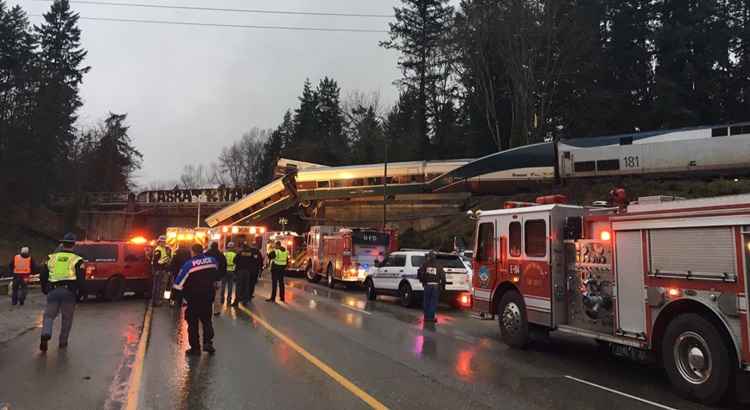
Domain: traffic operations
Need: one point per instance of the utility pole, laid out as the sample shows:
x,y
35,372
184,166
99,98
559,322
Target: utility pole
x,y
385,184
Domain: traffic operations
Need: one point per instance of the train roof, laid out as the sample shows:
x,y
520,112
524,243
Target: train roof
x,y
527,156
677,134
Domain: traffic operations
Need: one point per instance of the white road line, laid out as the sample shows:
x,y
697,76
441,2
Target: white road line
x,y
355,309
630,396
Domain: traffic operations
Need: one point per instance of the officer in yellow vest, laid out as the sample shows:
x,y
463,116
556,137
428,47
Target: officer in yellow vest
x,y
160,270
278,258
61,282
227,282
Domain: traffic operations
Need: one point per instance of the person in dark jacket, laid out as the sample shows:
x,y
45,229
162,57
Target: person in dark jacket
x,y
215,253
249,264
432,276
279,259
181,256
196,281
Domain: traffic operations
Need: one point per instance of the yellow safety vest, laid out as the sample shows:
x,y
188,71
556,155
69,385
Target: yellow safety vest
x,y
280,257
230,255
163,255
62,266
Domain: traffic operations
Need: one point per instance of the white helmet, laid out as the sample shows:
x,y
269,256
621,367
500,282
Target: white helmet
x,y
25,250
230,245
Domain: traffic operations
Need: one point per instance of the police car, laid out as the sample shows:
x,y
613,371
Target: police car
x,y
397,276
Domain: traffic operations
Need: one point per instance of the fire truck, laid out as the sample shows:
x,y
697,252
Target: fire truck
x,y
344,255
662,278
178,237
237,234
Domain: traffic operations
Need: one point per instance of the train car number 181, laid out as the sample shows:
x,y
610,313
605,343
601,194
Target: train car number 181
x,y
631,161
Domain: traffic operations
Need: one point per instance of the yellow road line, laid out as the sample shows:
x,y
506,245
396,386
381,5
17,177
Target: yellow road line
x,y
343,381
134,384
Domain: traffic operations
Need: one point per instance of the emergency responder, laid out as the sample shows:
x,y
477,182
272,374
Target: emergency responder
x,y
160,270
181,255
432,276
22,266
61,281
196,282
227,282
215,253
278,258
249,263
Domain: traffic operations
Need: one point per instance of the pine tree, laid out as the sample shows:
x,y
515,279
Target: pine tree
x,y
333,146
366,135
115,158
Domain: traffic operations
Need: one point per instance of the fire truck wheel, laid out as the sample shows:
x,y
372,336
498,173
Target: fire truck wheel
x,y
406,295
115,289
370,289
329,277
514,327
696,358
311,275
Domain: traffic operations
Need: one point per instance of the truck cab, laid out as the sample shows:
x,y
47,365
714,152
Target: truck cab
x,y
113,268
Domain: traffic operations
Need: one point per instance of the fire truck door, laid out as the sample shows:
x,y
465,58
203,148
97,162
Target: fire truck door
x,y
631,309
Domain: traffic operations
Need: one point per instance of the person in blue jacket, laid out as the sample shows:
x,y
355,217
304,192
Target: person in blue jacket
x,y
196,283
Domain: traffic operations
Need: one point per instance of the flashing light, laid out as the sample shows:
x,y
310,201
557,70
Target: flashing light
x,y
290,242
171,235
189,237
262,229
465,300
235,229
516,279
225,229
200,234
605,235
138,240
252,230
180,237
673,292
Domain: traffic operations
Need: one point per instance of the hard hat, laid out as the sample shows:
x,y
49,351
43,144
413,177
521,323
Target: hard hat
x,y
69,237
25,250
230,245
162,238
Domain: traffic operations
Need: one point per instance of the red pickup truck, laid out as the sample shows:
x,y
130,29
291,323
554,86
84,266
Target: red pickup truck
x,y
113,268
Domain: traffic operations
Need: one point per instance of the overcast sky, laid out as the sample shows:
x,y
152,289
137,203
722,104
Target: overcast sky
x,y
188,91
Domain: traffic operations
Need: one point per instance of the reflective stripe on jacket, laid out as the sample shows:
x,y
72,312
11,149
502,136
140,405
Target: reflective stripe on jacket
x,y
62,266
230,255
280,257
163,255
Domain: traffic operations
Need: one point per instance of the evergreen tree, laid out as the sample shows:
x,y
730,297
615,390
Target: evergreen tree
x,y
115,159
366,135
333,146
273,147
400,129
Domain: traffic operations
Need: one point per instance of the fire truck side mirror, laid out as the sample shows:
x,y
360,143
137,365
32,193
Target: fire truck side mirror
x,y
573,227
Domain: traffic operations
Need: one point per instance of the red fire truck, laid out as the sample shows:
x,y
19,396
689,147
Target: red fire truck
x,y
662,278
346,254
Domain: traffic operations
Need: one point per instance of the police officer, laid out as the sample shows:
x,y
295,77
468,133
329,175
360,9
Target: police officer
x,y
432,276
278,258
61,282
250,263
22,267
160,268
196,283
227,282
215,253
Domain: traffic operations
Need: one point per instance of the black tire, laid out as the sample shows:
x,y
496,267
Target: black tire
x,y
329,277
514,327
406,295
370,289
697,359
310,274
83,297
115,289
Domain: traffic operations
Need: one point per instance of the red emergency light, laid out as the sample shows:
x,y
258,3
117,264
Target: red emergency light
x,y
551,199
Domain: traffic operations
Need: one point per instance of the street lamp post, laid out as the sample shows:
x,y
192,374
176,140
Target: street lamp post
x,y
385,183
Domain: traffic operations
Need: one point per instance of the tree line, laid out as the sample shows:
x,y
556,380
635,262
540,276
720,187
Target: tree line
x,y
491,75
42,150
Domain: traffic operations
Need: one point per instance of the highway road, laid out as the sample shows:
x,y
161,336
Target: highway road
x,y
323,349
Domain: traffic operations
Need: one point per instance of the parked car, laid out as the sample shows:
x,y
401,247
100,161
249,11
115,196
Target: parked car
x,y
397,276
113,268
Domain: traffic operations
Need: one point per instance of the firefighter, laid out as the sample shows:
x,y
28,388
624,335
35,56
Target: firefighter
x,y
215,253
196,283
249,263
278,258
227,282
22,266
432,276
160,268
61,282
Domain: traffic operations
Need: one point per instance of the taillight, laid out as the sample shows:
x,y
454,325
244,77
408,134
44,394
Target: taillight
x,y
464,300
90,270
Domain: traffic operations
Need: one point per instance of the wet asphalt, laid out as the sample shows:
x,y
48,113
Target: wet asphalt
x,y
381,347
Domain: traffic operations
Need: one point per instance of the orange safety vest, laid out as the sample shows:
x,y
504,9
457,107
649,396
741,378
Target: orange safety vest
x,y
21,265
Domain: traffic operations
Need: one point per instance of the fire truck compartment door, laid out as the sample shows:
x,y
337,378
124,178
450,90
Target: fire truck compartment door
x,y
631,308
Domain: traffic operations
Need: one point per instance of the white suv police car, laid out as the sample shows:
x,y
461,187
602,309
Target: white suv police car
x,y
397,276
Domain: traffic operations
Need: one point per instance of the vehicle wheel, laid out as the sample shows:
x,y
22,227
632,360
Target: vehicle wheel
x,y
696,358
406,295
83,297
330,278
514,328
311,275
370,289
115,289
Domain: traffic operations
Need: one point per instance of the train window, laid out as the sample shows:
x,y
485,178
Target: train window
x,y
584,166
374,181
626,141
536,238
739,129
514,234
608,165
323,184
720,132
485,242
